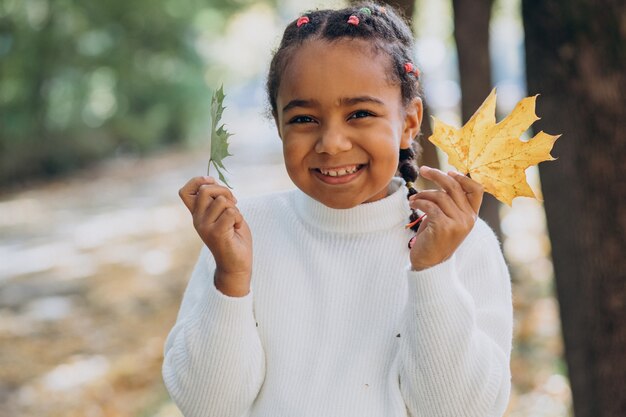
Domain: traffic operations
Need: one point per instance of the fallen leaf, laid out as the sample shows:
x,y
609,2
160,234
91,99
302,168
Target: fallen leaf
x,y
493,153
219,135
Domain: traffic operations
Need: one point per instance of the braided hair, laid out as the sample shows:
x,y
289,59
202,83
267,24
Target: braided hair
x,y
386,31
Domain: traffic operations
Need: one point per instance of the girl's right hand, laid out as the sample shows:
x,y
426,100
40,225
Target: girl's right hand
x,y
223,229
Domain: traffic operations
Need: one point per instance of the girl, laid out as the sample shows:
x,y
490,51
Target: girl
x,y
331,313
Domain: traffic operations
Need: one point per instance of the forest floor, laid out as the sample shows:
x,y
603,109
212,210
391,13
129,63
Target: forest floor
x,y
92,270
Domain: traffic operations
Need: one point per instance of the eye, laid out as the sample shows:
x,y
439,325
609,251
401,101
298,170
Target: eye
x,y
301,120
359,114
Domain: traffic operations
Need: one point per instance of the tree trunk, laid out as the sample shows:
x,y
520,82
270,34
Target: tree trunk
x,y
471,33
575,57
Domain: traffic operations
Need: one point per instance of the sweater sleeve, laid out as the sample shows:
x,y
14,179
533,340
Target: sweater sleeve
x,y
214,364
455,358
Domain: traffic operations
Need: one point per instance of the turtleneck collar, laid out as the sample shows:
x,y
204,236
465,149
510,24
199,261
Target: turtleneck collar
x,y
382,214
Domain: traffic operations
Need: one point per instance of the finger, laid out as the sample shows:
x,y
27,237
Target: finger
x,y
442,199
238,219
448,184
228,219
215,209
207,193
215,190
432,210
472,189
189,191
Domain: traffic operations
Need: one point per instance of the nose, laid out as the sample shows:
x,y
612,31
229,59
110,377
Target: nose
x,y
333,139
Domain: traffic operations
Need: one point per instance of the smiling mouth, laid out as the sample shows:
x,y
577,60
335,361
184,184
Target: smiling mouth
x,y
340,171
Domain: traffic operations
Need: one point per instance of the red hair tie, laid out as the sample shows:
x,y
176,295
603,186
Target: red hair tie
x,y
353,20
411,69
302,21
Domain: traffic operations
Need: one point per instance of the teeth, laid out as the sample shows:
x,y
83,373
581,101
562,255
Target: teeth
x,y
340,172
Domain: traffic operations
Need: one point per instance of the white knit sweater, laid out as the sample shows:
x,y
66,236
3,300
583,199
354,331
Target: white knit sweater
x,y
337,325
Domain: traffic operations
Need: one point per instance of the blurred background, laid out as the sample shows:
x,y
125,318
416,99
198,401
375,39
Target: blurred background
x,y
104,114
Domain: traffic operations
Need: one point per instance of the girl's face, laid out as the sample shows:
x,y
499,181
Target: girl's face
x,y
342,122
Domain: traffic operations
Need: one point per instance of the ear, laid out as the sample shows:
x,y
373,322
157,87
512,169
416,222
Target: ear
x,y
412,122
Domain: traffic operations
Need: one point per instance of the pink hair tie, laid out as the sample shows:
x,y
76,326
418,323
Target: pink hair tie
x,y
411,69
353,20
302,21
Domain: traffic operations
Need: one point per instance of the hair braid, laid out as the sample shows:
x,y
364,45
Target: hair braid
x,y
408,170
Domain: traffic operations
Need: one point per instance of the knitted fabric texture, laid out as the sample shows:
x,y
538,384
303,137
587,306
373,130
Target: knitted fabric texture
x,y
337,324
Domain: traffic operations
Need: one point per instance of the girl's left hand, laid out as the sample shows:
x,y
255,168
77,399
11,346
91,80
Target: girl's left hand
x,y
450,215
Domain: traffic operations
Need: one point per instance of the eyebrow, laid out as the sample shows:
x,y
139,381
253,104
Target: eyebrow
x,y
345,101
300,103
350,101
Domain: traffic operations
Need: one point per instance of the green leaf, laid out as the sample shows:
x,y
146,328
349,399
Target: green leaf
x,y
219,135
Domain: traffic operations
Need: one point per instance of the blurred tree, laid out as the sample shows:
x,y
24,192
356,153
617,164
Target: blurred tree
x,y
80,80
471,34
576,58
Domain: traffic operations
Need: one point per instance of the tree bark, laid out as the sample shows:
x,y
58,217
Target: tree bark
x,y
576,58
471,33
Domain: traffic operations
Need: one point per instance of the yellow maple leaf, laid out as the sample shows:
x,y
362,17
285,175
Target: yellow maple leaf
x,y
493,153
